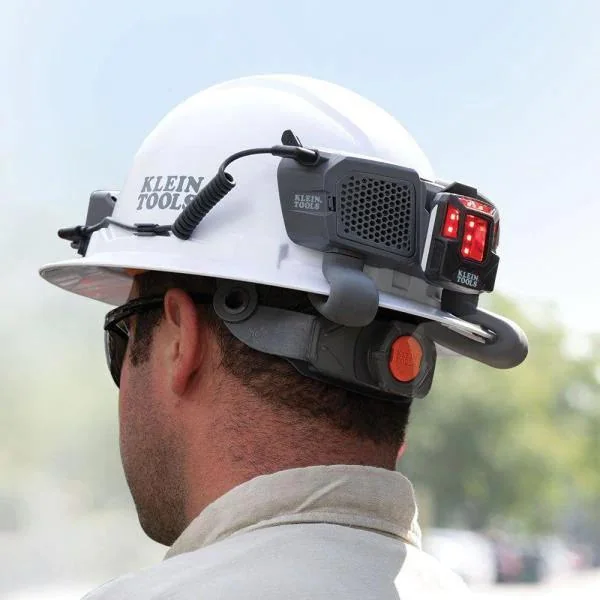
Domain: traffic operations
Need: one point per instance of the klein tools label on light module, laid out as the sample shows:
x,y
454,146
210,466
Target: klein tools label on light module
x,y
466,278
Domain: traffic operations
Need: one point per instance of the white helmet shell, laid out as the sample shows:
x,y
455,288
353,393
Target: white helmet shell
x,y
244,237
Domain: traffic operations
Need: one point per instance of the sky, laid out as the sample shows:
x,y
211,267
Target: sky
x,y
503,95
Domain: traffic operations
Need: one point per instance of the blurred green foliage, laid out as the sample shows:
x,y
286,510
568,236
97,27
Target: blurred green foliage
x,y
519,446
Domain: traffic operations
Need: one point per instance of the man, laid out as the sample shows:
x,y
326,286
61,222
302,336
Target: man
x,y
265,361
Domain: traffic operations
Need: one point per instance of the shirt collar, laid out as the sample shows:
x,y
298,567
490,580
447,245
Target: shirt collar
x,y
351,495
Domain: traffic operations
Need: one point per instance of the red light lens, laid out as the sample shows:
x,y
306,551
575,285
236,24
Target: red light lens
x,y
474,238
472,204
451,223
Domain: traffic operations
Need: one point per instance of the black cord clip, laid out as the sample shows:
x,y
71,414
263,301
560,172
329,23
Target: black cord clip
x,y
151,229
79,236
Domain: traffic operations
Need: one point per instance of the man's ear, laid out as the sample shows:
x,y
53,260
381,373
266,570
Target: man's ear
x,y
184,346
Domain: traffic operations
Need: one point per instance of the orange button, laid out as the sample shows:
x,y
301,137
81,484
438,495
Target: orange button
x,y
406,355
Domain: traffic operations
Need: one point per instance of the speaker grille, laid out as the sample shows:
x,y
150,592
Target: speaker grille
x,y
378,212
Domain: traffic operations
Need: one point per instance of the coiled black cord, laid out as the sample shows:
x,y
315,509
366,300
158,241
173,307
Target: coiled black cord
x,y
216,189
222,183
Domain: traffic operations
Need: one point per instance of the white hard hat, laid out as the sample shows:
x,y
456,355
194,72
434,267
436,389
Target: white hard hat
x,y
244,237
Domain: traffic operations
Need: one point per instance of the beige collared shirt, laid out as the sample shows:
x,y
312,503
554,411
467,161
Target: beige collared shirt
x,y
330,532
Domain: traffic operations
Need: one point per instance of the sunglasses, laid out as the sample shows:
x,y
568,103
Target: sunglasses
x,y
116,328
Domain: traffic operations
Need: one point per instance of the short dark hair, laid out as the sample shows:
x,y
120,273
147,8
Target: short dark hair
x,y
271,378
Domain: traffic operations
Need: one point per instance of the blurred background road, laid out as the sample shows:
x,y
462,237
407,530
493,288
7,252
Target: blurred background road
x,y
575,587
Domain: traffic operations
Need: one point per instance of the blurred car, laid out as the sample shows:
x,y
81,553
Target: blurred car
x,y
467,553
509,558
531,560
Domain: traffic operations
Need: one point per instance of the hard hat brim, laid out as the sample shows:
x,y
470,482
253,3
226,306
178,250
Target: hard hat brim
x,y
109,279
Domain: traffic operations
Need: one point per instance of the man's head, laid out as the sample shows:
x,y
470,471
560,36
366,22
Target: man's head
x,y
200,412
